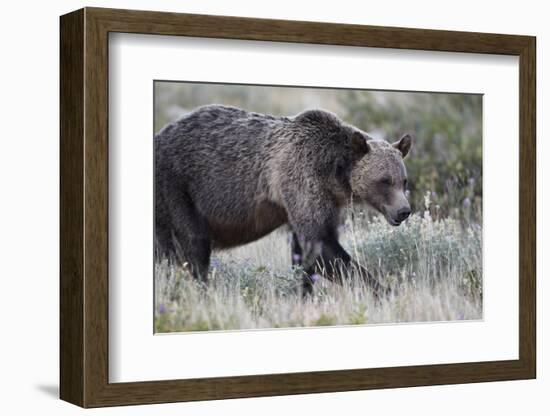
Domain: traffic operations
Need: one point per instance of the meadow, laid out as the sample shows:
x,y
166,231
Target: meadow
x,y
432,262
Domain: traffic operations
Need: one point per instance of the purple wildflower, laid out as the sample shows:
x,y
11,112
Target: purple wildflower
x,y
296,258
315,277
162,308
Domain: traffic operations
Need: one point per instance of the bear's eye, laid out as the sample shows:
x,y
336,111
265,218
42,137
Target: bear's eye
x,y
385,181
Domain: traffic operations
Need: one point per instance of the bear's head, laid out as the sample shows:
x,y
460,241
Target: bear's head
x,y
379,177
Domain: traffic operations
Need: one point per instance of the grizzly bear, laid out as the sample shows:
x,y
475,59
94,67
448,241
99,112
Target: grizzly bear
x,y
225,177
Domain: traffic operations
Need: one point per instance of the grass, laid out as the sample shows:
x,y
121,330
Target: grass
x,y
433,264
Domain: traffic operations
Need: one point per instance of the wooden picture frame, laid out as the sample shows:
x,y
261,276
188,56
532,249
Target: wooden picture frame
x,y
84,207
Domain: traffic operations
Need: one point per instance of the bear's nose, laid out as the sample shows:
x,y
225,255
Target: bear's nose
x,y
403,214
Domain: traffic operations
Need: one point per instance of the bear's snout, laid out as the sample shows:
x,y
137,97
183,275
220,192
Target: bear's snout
x,y
403,214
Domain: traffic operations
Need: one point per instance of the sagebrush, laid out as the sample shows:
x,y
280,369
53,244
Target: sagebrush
x,y
433,265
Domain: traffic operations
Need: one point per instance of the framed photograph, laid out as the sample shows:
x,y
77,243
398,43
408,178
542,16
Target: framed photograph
x,y
254,207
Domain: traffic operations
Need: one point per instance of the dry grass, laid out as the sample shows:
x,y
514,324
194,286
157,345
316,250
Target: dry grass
x,y
434,265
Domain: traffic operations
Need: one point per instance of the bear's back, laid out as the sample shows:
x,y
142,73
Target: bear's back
x,y
217,150
217,136
218,154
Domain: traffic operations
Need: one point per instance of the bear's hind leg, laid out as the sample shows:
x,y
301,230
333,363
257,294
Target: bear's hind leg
x,y
193,252
190,237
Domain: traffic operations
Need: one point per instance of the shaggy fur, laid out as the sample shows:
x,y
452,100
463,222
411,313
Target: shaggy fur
x,y
226,177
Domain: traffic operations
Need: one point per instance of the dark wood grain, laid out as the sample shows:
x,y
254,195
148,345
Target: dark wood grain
x,y
71,100
96,219
84,207
527,208
227,27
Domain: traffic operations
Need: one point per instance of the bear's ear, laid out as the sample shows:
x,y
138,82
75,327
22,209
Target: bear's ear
x,y
359,144
404,145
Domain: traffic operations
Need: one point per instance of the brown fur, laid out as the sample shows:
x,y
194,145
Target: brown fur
x,y
225,177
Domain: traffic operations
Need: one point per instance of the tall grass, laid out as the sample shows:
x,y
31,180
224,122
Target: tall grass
x,y
433,264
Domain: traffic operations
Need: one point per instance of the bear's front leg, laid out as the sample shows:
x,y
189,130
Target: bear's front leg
x,y
338,265
378,289
314,217
326,257
318,257
296,251
303,254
